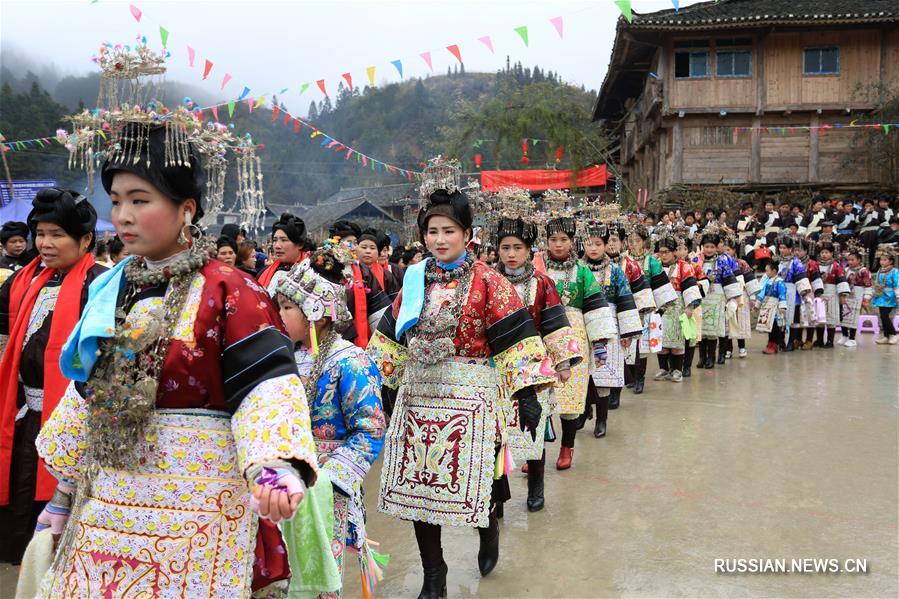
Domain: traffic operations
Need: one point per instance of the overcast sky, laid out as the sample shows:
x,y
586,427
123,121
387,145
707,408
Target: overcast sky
x,y
269,45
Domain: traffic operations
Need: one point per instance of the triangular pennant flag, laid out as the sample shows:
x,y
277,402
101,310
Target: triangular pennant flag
x,y
349,153
250,102
164,34
215,113
230,109
364,160
135,12
886,129
283,91
625,7
325,141
370,71
676,4
557,23
274,113
321,86
487,42
523,32
286,118
399,66
426,56
244,94
454,50
296,126
225,80
349,80
207,68
304,87
259,102
191,54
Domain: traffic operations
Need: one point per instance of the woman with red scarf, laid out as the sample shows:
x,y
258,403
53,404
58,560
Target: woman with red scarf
x,y
289,244
39,306
365,296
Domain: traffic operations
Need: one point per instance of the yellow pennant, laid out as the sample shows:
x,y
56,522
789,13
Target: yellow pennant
x,y
371,75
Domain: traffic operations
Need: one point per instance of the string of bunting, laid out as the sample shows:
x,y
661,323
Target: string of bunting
x,y
783,130
426,56
286,118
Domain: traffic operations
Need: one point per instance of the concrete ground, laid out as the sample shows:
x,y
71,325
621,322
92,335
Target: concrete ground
x,y
771,457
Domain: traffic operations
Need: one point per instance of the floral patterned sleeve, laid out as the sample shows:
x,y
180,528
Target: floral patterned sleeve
x,y
359,388
63,437
520,356
389,354
598,319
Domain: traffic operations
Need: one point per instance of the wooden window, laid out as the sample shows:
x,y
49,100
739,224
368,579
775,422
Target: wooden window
x,y
734,63
821,61
691,65
713,136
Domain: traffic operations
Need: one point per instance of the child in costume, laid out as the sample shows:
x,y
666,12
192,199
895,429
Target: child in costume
x,y
799,291
861,286
772,306
886,287
836,290
720,301
343,390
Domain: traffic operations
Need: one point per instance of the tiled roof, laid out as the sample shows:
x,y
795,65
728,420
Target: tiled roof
x,y
743,13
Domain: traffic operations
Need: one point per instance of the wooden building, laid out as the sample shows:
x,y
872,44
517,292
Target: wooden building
x,y
680,85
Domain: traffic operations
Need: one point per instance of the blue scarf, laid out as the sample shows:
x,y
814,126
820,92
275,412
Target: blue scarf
x,y
79,354
414,293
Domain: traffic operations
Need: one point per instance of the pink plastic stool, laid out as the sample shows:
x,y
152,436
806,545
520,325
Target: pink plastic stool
x,y
867,323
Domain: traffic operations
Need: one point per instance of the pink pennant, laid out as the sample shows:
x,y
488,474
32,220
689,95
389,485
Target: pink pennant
x,y
557,23
191,54
426,56
332,144
215,113
207,68
349,153
136,13
225,80
250,101
364,160
487,42
349,80
454,50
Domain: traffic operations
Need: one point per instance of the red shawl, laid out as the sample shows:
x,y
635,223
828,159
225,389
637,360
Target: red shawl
x,y
378,271
360,308
266,276
23,295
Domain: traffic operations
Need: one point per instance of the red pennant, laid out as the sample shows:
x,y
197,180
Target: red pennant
x,y
560,152
274,113
286,118
477,161
349,80
454,50
321,86
296,126
207,68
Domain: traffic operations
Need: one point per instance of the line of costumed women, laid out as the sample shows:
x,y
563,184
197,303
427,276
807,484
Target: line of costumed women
x,y
585,306
514,231
185,395
457,334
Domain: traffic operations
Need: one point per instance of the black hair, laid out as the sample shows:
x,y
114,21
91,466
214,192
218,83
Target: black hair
x,y
177,182
345,228
330,268
225,241
115,246
13,228
68,209
451,205
233,230
292,226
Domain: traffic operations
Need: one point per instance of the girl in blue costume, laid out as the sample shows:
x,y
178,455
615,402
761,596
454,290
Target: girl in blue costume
x,y
343,388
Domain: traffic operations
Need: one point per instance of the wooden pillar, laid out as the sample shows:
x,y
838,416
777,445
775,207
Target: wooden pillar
x,y
677,163
755,157
813,139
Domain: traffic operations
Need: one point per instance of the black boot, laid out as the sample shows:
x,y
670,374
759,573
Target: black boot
x,y
688,358
614,398
434,584
710,346
599,429
488,554
586,415
638,385
722,350
535,484
701,362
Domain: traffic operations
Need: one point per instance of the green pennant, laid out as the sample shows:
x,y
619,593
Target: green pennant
x,y
886,129
523,32
625,7
304,87
230,108
164,34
